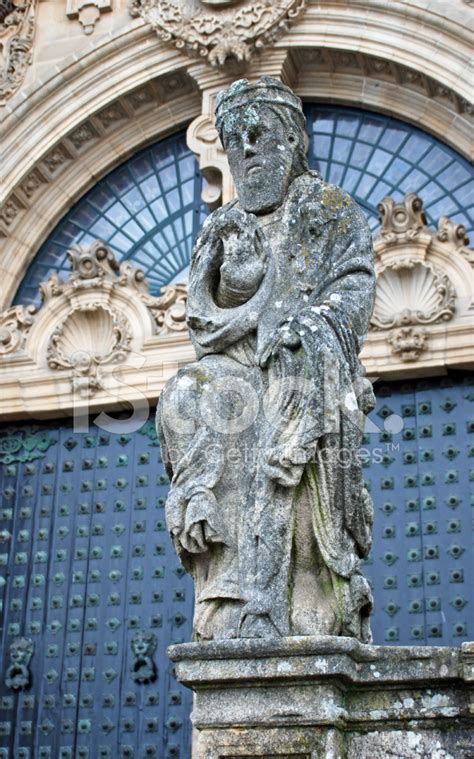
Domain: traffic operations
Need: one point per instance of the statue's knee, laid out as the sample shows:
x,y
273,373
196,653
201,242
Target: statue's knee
x,y
179,398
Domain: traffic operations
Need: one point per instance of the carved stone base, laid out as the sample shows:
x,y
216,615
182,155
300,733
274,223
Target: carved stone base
x,y
328,698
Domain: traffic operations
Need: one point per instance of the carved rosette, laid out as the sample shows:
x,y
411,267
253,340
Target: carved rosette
x,y
218,31
91,336
15,324
17,30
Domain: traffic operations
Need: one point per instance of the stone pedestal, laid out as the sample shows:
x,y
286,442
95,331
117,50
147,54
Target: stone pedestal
x,y
328,698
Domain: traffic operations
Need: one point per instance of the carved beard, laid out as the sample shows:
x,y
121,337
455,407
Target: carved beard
x,y
262,189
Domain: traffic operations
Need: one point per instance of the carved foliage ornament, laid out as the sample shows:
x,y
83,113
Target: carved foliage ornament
x,y
17,28
94,334
216,29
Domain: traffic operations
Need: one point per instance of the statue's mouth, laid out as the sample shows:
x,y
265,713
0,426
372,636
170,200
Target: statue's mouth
x,y
253,169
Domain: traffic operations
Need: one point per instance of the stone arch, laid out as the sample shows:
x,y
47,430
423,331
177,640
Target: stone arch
x,y
146,89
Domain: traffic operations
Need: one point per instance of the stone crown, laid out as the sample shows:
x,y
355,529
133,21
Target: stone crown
x,y
266,90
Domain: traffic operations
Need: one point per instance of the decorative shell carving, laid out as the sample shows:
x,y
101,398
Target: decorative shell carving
x,y
412,292
91,336
218,30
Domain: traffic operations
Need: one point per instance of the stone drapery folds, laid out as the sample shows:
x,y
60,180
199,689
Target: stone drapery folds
x,y
267,507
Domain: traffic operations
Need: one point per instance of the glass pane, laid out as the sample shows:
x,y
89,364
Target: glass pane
x,y
149,209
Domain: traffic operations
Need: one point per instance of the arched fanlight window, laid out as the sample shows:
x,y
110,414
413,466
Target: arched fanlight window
x,y
372,156
150,209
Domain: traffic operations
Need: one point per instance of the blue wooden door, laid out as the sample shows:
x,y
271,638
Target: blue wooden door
x,y
88,565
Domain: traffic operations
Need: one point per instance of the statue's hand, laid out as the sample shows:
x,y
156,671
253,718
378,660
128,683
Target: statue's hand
x,y
284,466
193,539
242,275
201,524
283,337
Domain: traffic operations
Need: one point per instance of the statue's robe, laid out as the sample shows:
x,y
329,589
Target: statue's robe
x,y
287,518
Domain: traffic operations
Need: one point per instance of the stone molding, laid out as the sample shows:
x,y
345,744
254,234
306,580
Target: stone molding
x,y
326,696
47,364
218,32
81,158
17,32
339,76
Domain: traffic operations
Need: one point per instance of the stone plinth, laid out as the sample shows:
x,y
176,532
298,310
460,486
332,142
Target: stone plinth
x,y
328,698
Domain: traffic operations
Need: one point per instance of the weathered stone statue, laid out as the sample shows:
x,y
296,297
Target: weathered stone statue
x,y
267,507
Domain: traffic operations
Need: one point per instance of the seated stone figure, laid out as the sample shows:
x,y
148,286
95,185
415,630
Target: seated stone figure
x,y
267,507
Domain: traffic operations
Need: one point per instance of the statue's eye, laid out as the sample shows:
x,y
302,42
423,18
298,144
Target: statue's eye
x,y
233,141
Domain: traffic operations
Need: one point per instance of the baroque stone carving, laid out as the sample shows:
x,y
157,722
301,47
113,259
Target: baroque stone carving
x,y
411,290
143,666
403,220
18,675
408,342
203,140
17,29
87,12
262,511
218,31
452,233
87,327
94,335
15,324
168,309
91,336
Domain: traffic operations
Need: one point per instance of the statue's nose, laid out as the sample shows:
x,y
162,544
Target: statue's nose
x,y
249,149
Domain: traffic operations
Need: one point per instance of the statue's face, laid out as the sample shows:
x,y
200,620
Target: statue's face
x,y
261,157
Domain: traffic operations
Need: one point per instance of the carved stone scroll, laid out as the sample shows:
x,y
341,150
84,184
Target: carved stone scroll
x,y
17,30
84,320
91,336
15,323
